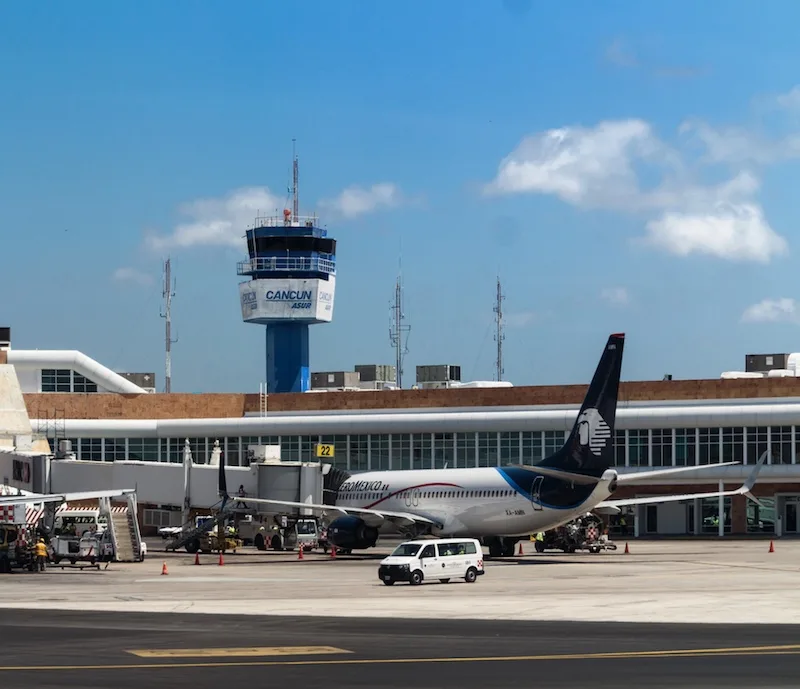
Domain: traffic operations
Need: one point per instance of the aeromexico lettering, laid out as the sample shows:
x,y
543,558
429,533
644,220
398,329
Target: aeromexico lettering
x,y
364,487
301,299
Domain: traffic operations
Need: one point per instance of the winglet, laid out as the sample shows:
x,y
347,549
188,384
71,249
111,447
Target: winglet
x,y
751,480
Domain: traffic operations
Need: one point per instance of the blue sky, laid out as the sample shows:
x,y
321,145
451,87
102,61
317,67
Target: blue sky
x,y
625,167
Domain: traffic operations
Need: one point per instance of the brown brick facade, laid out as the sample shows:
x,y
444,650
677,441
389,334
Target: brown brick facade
x,y
218,405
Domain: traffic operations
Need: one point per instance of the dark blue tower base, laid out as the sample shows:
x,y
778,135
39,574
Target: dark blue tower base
x,y
287,358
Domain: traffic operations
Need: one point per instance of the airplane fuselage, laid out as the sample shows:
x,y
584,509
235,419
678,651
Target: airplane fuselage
x,y
478,502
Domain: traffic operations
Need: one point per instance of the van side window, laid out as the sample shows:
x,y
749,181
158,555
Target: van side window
x,y
470,548
428,551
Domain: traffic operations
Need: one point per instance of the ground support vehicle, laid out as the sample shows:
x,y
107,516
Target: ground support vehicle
x,y
584,533
443,559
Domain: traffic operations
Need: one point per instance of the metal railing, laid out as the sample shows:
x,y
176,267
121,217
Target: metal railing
x,y
285,221
286,263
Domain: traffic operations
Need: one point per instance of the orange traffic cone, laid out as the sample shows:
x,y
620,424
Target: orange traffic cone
x,y
197,557
627,550
221,559
333,552
300,553
164,569
520,549
771,546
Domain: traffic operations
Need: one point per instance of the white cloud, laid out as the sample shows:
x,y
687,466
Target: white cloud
x,y
617,296
223,221
355,201
519,320
219,222
623,166
132,275
733,232
789,100
772,311
587,167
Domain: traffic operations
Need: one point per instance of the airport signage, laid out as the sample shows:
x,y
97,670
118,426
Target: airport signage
x,y
307,300
272,301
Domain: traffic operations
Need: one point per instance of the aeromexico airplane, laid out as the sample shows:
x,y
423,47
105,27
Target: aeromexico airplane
x,y
499,505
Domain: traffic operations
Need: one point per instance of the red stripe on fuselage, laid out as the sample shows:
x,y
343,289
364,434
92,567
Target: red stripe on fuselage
x,y
403,490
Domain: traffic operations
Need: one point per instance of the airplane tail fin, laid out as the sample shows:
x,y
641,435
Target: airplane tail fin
x,y
223,484
589,448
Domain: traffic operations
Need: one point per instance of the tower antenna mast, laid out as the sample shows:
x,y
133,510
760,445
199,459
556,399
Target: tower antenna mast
x,y
295,184
499,336
168,292
397,328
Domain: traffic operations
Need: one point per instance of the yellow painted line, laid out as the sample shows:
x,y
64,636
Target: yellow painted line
x,y
792,649
236,652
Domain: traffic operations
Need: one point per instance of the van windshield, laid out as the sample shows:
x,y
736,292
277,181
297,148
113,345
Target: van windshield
x,y
406,550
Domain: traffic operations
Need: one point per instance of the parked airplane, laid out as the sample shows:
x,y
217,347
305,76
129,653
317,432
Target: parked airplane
x,y
499,505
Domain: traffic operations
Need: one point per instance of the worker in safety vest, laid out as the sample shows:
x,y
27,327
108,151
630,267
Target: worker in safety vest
x,y
40,552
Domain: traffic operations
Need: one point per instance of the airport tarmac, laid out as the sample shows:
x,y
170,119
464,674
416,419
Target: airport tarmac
x,y
726,581
131,650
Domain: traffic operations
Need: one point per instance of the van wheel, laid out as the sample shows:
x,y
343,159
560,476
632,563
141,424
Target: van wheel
x,y
416,578
472,575
388,583
445,581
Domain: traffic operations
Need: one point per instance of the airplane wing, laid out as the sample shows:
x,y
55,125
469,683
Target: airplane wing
x,y
371,517
37,498
744,489
657,473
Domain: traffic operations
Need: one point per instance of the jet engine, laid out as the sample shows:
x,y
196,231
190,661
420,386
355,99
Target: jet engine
x,y
351,533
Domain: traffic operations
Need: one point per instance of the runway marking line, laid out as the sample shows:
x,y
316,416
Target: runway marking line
x,y
789,649
236,652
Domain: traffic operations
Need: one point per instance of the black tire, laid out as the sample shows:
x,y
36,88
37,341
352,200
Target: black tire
x,y
539,547
416,578
259,542
471,576
445,581
193,546
388,583
276,542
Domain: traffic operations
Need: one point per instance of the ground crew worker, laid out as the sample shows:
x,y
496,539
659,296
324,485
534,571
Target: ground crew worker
x,y
40,552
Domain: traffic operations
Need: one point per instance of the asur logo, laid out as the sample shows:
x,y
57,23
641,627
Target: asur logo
x,y
593,431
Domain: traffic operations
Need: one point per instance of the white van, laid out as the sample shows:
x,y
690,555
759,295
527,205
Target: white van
x,y
445,559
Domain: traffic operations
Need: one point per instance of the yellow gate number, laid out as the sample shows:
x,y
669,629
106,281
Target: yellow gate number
x,y
324,450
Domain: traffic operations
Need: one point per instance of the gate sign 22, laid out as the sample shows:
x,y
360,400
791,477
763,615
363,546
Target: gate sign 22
x,y
324,450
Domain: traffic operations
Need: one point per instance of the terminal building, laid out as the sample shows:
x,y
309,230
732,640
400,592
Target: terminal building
x,y
109,418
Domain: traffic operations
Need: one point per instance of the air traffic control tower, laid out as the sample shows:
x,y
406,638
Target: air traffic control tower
x,y
292,271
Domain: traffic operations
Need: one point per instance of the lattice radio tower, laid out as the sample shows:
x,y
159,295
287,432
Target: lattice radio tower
x,y
499,336
398,327
168,292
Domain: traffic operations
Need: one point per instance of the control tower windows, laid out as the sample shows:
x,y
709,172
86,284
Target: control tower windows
x,y
271,245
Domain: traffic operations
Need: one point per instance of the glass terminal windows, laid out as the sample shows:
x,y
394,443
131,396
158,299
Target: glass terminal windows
x,y
756,444
662,447
638,448
443,450
619,448
780,444
708,446
733,444
65,380
685,447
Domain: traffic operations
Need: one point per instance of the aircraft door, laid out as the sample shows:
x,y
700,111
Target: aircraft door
x,y
536,490
431,564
